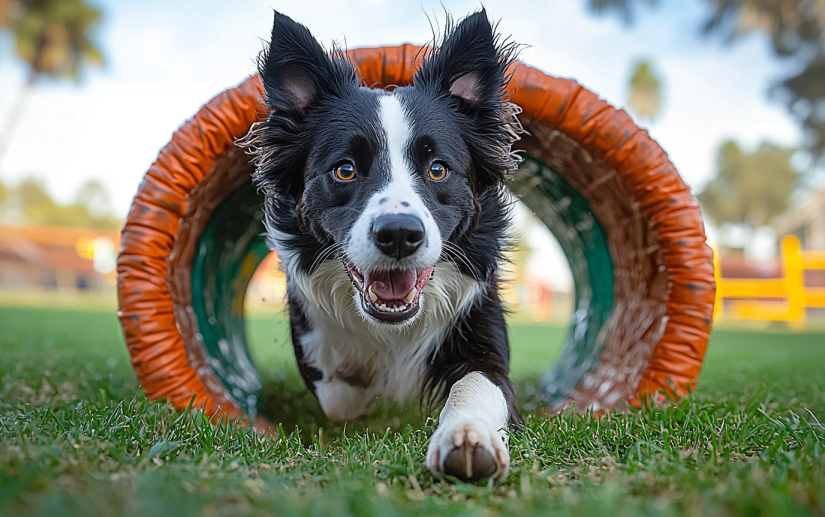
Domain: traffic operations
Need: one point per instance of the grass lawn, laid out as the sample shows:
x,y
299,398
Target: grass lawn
x,y
77,437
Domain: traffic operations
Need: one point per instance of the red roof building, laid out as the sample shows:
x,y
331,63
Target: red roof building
x,y
50,258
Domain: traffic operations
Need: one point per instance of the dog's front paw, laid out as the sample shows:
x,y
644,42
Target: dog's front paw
x,y
468,450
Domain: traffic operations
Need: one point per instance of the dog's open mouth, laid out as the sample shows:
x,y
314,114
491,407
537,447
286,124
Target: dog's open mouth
x,y
390,296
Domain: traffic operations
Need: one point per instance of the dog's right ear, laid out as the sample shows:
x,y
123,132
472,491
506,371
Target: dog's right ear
x,y
297,72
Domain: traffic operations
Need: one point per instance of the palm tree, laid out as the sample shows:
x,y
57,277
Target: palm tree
x,y
54,39
645,97
624,8
750,188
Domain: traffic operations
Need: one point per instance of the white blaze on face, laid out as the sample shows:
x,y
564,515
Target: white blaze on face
x,y
398,196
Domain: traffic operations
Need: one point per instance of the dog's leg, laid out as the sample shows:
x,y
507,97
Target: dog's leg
x,y
473,364
471,440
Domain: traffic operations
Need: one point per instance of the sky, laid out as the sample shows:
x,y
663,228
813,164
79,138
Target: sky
x,y
165,59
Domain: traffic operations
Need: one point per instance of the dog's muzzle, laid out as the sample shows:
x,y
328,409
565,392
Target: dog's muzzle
x,y
393,295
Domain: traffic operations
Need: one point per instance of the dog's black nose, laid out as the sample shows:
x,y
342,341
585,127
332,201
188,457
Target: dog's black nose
x,y
398,235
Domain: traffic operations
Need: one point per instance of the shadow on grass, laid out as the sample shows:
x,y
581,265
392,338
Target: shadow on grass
x,y
289,403
286,401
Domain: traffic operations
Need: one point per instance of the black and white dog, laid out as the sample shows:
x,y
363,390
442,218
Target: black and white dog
x,y
389,214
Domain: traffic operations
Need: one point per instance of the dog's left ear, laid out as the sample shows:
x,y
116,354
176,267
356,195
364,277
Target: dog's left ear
x,y
471,68
469,64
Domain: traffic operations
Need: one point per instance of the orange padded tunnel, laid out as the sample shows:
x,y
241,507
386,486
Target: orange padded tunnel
x,y
631,230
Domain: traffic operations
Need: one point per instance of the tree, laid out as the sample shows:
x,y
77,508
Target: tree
x,y
624,8
54,38
93,195
645,97
796,29
752,188
34,205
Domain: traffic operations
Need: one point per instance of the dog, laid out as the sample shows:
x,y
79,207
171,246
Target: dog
x,y
388,210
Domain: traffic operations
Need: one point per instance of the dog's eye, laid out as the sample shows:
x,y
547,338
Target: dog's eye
x,y
345,172
438,171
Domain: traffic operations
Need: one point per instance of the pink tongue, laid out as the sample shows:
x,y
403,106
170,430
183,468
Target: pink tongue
x,y
392,285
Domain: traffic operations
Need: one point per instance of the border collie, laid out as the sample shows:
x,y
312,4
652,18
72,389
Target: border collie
x,y
388,210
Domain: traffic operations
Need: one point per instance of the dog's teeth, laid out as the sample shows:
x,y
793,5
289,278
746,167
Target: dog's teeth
x,y
373,296
410,296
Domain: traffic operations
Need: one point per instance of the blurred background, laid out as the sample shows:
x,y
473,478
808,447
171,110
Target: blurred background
x,y
734,90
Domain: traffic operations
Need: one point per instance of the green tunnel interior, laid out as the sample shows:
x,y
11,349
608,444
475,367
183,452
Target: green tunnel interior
x,y
232,246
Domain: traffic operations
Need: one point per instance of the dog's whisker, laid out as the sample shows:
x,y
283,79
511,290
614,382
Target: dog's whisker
x,y
323,255
459,254
318,260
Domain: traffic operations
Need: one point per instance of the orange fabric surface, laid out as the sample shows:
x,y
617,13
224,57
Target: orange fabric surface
x,y
145,305
157,349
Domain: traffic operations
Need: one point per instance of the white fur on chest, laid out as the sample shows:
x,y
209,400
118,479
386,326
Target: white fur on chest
x,y
391,358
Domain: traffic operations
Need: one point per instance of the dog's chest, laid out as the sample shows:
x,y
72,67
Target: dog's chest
x,y
373,359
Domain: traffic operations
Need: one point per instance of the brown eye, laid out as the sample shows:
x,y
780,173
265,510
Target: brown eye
x,y
345,172
438,171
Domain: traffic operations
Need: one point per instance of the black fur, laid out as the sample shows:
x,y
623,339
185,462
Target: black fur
x,y
299,325
477,343
320,118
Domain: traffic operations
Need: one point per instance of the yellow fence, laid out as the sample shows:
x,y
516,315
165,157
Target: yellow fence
x,y
749,294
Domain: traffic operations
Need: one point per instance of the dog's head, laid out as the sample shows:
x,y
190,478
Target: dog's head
x,y
387,182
